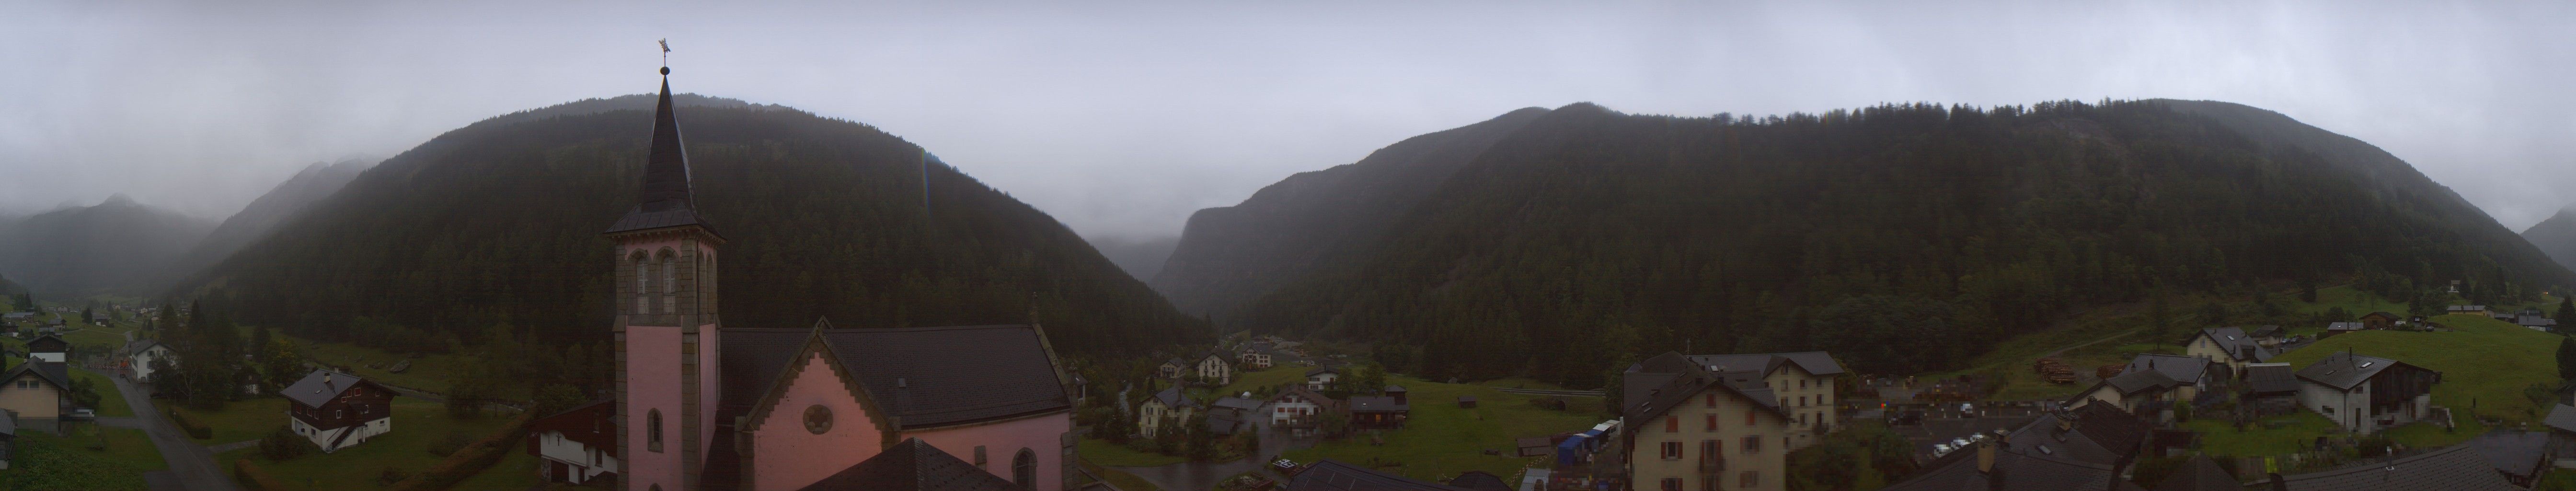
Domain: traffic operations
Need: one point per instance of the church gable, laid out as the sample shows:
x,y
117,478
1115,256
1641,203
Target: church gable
x,y
811,424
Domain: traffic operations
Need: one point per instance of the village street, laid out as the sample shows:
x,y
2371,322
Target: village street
x,y
192,466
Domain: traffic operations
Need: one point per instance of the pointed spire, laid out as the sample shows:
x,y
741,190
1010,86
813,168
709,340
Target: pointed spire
x,y
666,170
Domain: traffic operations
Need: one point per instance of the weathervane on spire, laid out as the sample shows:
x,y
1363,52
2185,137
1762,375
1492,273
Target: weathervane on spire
x,y
666,55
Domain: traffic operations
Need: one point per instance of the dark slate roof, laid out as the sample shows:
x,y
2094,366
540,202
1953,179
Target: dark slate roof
x,y
927,376
2179,368
2021,471
2238,345
312,391
666,199
1692,380
2344,326
1480,481
19,315
1814,362
913,466
47,339
51,372
2200,474
2270,378
2562,417
2343,369
1237,403
1333,475
1172,398
2512,452
137,346
1375,404
2456,468
1321,370
1223,423
2141,381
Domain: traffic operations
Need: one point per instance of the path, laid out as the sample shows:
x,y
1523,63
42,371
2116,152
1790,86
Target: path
x,y
192,467
1204,475
2121,334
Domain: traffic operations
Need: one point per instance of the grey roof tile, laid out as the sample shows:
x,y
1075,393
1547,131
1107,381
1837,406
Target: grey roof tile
x,y
320,387
2455,468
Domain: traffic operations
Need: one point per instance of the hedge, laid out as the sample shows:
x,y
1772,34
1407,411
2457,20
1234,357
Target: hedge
x,y
473,459
254,478
195,430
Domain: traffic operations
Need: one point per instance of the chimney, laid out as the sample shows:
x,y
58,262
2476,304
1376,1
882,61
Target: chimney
x,y
1986,457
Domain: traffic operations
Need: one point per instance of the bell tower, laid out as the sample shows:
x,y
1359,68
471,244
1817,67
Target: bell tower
x,y
666,332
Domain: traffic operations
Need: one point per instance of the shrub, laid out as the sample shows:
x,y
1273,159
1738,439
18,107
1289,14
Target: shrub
x,y
195,430
283,445
253,478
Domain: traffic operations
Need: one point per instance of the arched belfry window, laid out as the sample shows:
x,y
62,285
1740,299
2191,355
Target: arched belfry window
x,y
643,282
653,430
670,283
1024,469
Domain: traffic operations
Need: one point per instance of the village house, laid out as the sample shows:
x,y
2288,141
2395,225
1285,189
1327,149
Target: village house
x,y
2228,346
2466,310
577,445
2535,322
1214,369
1698,429
1381,412
2084,448
2270,389
2152,383
1173,368
2366,393
2520,457
36,394
701,405
140,355
1322,379
2339,328
1297,406
98,318
48,348
1229,415
2270,335
338,410
1803,381
2562,434
1166,411
1253,360
2381,320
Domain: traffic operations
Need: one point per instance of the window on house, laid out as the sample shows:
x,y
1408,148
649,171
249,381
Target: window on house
x,y
1750,479
1672,424
1672,450
1748,418
1752,444
1802,401
1712,399
1712,422
1672,484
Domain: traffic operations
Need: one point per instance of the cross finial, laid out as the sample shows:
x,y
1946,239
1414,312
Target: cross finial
x,y
666,55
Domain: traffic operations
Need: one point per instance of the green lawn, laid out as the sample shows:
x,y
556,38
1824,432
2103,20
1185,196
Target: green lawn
x,y
245,420
417,423
1104,452
1442,440
431,373
110,401
1276,375
516,470
2429,435
1122,480
2353,301
40,463
2278,435
2485,361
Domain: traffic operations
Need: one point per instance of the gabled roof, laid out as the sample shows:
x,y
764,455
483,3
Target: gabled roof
x,y
2456,468
2179,368
2267,378
2511,452
913,466
2343,369
320,386
1376,404
2384,314
2268,331
2466,308
1300,390
2345,326
1333,475
1237,403
2200,474
1171,397
2141,381
1814,362
58,340
2561,417
926,376
1323,370
51,372
2237,345
137,346
1693,380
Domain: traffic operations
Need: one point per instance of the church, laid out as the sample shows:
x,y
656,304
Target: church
x,y
703,406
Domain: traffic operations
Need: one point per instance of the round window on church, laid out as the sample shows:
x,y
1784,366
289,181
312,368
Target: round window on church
x,y
818,419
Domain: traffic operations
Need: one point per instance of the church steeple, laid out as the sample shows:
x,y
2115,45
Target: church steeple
x,y
666,200
666,170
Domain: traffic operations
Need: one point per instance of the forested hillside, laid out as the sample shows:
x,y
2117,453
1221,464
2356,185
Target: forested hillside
x,y
88,250
1228,256
499,222
1904,238
2555,236
286,201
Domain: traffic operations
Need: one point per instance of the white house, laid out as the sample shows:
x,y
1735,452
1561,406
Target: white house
x,y
48,348
2366,393
1214,369
2228,346
140,355
578,445
1296,406
1166,411
1323,378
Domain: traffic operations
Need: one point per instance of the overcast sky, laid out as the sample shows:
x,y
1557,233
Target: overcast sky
x,y
1121,120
